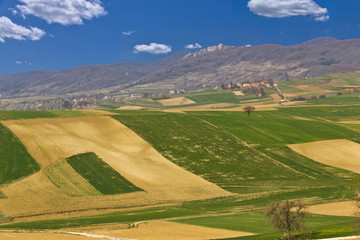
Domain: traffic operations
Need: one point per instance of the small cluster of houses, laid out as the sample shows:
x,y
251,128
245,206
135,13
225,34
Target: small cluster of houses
x,y
264,83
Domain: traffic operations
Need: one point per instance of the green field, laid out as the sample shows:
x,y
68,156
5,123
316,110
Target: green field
x,y
345,99
217,97
100,175
273,128
224,159
15,161
12,115
336,113
256,222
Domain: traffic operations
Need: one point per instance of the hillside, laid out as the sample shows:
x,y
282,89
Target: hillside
x,y
211,67
122,173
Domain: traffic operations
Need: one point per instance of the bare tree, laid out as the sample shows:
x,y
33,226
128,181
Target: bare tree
x,y
249,109
287,217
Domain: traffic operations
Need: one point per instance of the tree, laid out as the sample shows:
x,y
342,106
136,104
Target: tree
x,y
249,109
287,217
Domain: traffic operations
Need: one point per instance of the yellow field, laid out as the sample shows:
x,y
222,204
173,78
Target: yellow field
x,y
40,236
69,181
51,140
336,209
176,101
337,153
162,230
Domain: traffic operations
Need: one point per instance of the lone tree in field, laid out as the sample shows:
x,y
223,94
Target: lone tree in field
x,y
287,217
249,109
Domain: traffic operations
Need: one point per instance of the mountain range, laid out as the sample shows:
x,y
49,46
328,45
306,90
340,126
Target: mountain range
x,y
210,66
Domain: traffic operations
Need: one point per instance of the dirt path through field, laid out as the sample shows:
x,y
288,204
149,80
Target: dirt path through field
x,y
50,140
337,153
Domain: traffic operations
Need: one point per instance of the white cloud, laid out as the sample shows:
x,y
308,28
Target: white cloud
x,y
153,48
288,8
323,18
128,33
8,29
65,12
21,62
193,46
13,11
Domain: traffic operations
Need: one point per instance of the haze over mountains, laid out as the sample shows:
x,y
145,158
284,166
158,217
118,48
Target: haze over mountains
x,y
187,70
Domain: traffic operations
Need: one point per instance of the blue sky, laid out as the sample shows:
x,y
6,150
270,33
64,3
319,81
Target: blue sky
x,y
46,35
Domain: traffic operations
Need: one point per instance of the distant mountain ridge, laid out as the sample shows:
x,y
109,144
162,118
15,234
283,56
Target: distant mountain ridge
x,y
210,66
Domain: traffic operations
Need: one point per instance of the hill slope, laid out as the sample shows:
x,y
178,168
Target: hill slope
x,y
211,66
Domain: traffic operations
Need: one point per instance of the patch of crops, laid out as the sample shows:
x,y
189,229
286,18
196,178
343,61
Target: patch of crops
x,y
15,161
100,175
221,97
69,181
269,129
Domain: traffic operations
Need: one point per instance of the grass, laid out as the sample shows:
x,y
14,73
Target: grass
x,y
2,195
69,181
13,115
15,161
100,175
218,97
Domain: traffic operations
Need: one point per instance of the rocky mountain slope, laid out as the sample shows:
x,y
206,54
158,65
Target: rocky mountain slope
x,y
211,66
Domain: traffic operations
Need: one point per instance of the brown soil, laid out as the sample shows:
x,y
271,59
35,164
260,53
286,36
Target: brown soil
x,y
176,101
50,140
163,230
337,153
336,209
